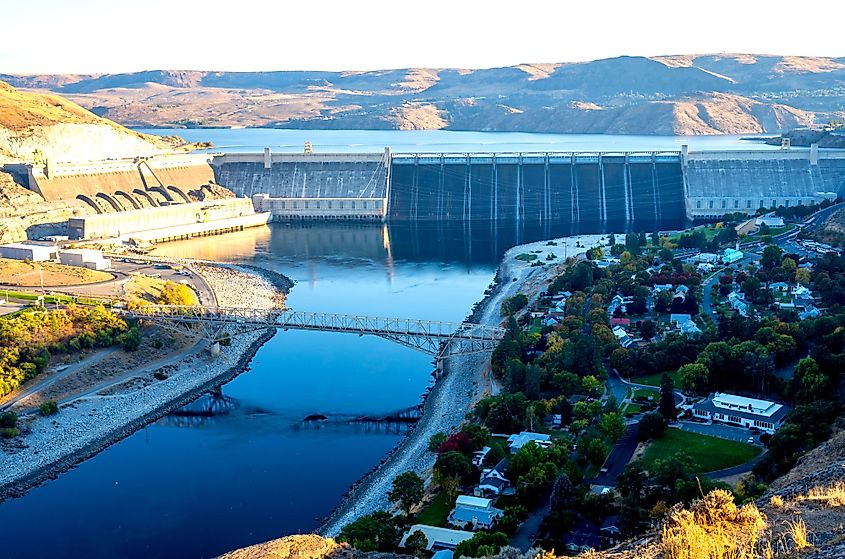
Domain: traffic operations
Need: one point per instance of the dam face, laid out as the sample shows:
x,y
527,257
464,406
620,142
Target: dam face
x,y
608,191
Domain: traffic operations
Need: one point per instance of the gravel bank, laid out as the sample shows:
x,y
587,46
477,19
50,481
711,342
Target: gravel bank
x,y
467,379
89,424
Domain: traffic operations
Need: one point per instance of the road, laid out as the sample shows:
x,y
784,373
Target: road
x,y
523,539
43,383
619,457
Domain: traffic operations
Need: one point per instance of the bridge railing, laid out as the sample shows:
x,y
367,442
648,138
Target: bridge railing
x,y
307,320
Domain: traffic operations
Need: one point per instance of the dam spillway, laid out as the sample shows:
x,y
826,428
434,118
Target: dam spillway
x,y
623,191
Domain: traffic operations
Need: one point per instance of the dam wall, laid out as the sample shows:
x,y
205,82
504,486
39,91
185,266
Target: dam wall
x,y
609,191
129,223
720,182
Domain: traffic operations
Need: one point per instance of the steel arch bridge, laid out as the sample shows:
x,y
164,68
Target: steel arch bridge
x,y
437,338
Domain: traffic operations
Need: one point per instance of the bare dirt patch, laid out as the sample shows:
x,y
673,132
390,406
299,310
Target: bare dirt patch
x,y
25,273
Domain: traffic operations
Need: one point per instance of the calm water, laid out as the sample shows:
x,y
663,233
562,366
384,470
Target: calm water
x,y
190,487
196,488
412,141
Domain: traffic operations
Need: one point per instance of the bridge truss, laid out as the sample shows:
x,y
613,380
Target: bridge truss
x,y
437,338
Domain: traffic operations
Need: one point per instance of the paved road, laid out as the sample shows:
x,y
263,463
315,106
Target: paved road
x,y
523,539
736,470
719,430
92,359
619,457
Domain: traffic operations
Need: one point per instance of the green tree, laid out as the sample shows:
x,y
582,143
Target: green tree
x,y
810,384
652,426
694,378
648,329
667,406
435,441
482,544
511,305
772,256
49,408
597,451
8,420
373,532
592,386
451,469
407,491
612,425
417,543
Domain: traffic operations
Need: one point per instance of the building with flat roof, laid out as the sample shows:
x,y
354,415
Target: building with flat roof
x,y
741,411
477,512
84,258
437,538
28,251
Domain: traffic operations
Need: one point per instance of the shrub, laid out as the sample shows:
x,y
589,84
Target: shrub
x,y
513,304
8,420
160,375
10,432
49,408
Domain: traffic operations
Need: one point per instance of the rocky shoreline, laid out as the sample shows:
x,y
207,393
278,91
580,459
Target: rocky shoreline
x,y
90,424
466,380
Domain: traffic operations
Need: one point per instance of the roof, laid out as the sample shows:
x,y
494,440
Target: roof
x,y
748,408
620,321
443,554
523,438
679,318
474,502
464,515
29,246
439,537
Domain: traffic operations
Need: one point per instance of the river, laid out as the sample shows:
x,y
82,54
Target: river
x,y
197,487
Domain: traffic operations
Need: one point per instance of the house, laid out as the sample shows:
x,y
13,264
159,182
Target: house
x,y
704,268
493,480
28,251
684,323
658,287
515,442
741,411
779,287
479,455
550,321
583,537
622,336
438,538
769,220
801,292
477,512
681,292
731,255
617,321
809,312
738,303
707,257
610,533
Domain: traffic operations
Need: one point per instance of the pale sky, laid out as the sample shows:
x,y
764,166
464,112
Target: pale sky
x,y
95,36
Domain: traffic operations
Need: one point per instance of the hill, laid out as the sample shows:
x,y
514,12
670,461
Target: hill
x,y
685,94
62,130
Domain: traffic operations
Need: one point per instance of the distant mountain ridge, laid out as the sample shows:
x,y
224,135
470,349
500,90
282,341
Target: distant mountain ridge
x,y
682,94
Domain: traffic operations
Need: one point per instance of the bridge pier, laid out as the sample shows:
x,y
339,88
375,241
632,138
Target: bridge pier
x,y
439,368
214,349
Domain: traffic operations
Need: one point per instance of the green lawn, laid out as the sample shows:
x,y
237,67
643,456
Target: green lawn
x,y
709,453
435,512
654,380
633,409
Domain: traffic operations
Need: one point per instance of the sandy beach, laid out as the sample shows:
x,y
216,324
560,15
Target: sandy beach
x,y
467,379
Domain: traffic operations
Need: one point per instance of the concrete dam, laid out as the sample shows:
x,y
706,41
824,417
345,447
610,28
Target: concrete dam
x,y
609,191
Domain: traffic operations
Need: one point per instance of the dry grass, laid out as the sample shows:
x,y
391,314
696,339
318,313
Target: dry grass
x,y
713,528
26,273
799,535
831,496
776,501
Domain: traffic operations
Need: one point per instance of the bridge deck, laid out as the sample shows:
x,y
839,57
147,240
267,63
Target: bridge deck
x,y
431,336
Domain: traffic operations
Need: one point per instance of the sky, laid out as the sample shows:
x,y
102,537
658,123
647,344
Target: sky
x,y
111,36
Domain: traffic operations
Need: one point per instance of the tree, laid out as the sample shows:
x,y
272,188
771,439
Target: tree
x,y
631,482
477,434
8,420
652,426
563,494
694,378
592,386
667,406
810,384
772,256
655,238
597,451
49,408
373,532
802,276
482,544
435,441
450,470
407,491
511,305
417,543
648,329
612,425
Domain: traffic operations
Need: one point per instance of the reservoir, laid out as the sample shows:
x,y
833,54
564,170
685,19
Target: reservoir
x,y
197,487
